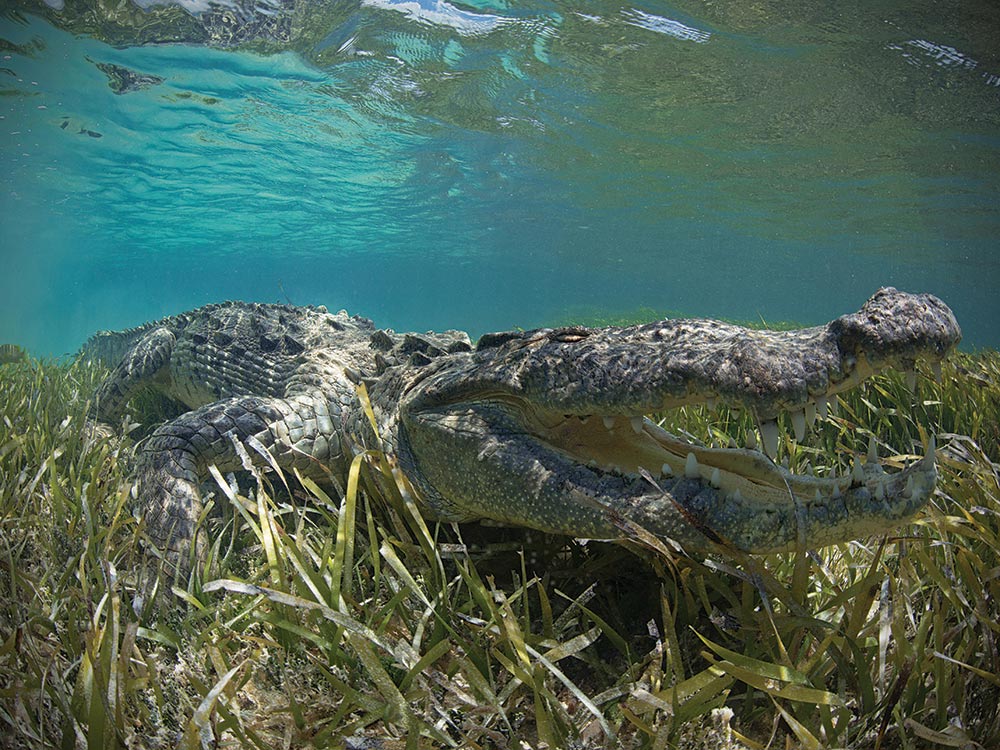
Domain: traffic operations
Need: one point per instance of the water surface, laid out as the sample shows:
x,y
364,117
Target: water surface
x,y
497,164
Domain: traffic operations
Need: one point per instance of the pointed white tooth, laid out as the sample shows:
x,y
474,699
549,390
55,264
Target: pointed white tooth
x,y
736,497
609,422
636,423
822,407
691,467
810,413
752,440
936,367
710,403
857,473
769,437
911,380
818,497
835,406
836,492
716,478
908,490
732,442
666,471
872,451
799,425
879,491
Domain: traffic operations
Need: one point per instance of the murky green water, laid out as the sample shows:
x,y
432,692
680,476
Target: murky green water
x,y
496,164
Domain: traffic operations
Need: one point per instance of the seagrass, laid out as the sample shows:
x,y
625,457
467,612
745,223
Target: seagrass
x,y
322,616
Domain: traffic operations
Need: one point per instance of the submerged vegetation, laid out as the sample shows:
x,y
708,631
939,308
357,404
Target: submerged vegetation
x,y
325,617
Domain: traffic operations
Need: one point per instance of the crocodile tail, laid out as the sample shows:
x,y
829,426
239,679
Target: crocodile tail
x,y
109,347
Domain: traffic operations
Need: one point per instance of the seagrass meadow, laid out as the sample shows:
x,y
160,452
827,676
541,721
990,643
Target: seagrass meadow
x,y
336,616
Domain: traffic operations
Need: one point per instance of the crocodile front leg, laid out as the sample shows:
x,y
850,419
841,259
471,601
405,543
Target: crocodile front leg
x,y
301,432
143,363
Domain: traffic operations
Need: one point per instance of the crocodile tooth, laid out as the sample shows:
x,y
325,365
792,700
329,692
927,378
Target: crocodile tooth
x,y
836,492
822,407
872,451
710,403
817,497
716,478
609,422
936,367
835,406
908,490
857,473
752,440
810,413
799,425
879,491
736,497
636,424
666,471
911,380
691,467
769,437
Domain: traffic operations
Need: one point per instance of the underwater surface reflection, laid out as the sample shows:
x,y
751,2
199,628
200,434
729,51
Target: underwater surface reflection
x,y
490,165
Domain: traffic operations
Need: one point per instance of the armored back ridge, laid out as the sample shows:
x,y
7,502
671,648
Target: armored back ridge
x,y
548,429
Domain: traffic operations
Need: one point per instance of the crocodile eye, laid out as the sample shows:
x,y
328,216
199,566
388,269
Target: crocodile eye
x,y
568,338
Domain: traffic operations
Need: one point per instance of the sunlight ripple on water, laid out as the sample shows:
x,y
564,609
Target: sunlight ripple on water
x,y
493,163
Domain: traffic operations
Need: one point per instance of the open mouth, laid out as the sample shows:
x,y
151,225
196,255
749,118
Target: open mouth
x,y
551,429
736,498
637,447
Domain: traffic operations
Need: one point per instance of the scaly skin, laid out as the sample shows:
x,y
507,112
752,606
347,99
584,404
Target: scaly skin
x,y
544,429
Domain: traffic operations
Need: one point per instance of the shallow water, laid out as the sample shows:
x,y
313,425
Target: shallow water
x,y
500,164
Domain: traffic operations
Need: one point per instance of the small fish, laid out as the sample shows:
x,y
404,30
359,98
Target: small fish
x,y
11,353
91,133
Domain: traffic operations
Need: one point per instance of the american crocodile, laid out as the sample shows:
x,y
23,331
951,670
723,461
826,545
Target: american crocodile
x,y
548,429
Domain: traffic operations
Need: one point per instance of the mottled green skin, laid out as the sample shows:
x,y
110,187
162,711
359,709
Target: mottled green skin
x,y
476,430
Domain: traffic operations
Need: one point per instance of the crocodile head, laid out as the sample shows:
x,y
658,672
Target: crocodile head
x,y
553,429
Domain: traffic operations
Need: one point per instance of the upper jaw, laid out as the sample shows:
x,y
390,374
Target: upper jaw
x,y
647,369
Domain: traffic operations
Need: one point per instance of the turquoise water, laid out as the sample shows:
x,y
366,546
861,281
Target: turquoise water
x,y
490,165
